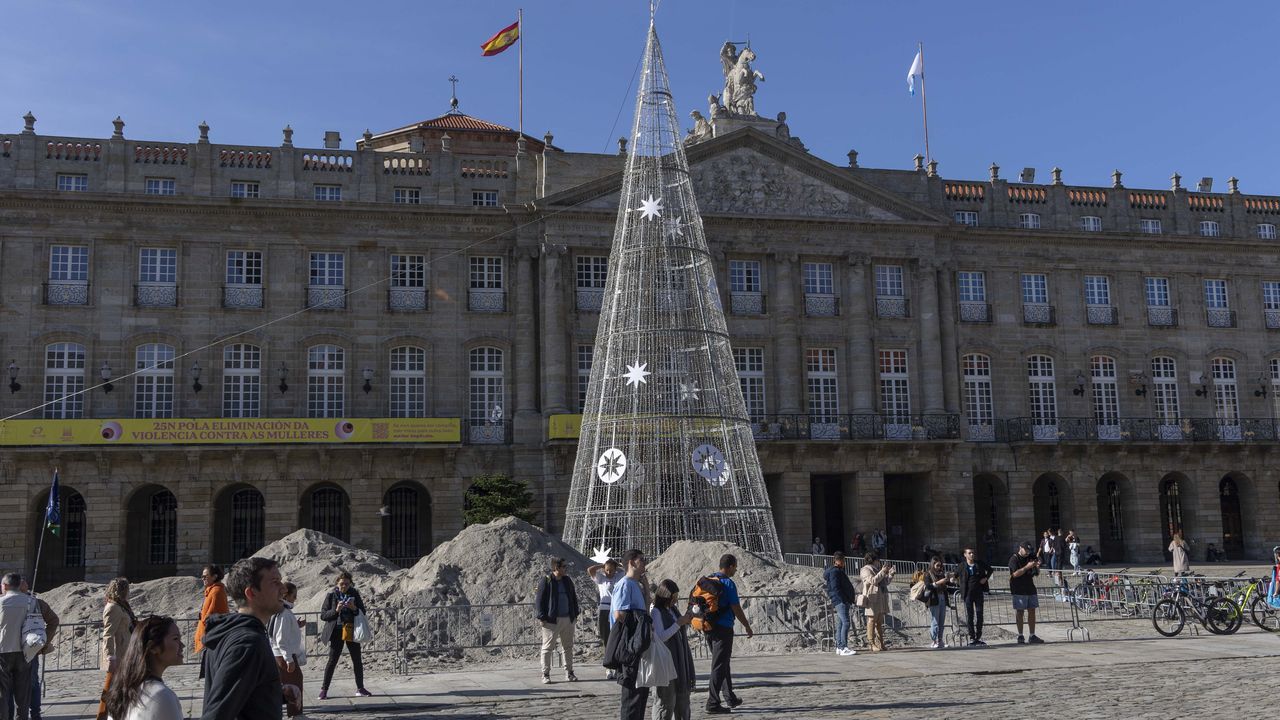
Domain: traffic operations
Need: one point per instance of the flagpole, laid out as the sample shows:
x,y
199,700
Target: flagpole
x,y
520,33
924,104
44,527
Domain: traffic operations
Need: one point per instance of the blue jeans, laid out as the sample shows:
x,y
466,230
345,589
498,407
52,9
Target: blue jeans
x,y
937,620
842,625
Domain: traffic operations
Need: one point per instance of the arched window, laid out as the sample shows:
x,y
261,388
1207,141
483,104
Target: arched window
x,y
1043,397
1274,366
326,381
73,527
247,523
153,385
329,512
402,524
1164,393
164,528
1226,398
1105,396
1115,507
486,391
1171,505
408,382
242,381
1055,504
64,380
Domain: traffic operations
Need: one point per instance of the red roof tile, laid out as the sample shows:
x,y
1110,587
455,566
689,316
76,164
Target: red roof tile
x,y
458,121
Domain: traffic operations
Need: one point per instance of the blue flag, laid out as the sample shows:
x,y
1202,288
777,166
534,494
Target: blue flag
x,y
52,513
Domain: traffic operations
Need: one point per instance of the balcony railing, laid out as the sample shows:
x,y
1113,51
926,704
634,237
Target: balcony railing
x,y
1100,314
746,303
406,299
1162,316
242,296
327,297
893,307
856,427
1220,317
155,295
590,299
1273,319
66,292
1135,430
488,432
821,305
493,300
975,311
1037,314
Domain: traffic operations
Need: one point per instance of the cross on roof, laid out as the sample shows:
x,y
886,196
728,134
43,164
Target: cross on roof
x,y
453,100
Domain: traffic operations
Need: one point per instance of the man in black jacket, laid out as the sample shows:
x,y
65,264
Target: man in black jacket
x,y
972,582
840,590
241,680
556,607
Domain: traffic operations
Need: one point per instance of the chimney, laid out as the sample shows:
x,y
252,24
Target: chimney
x,y
1205,185
1028,175
332,139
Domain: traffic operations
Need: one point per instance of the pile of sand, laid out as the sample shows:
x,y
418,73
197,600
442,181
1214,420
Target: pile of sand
x,y
80,602
312,560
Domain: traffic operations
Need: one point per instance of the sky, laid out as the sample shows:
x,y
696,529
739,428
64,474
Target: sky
x,y
1149,88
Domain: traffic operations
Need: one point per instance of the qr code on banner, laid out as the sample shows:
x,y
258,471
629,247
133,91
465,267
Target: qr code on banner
x,y
381,431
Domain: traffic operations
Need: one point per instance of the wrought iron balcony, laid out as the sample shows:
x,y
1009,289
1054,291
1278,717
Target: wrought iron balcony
x,y
821,305
856,427
746,303
1100,314
492,300
1137,430
66,292
326,297
155,295
406,299
1273,319
1037,314
590,299
975,312
1220,317
893,307
1162,316
242,296
488,432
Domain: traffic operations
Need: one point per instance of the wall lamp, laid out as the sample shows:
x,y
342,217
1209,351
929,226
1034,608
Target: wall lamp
x,y
1079,388
367,373
105,373
195,377
1139,378
1263,381
13,377
1197,378
283,372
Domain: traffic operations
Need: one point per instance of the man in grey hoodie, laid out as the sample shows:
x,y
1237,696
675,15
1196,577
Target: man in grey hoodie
x,y
241,680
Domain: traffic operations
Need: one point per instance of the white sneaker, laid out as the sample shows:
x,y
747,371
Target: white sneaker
x,y
846,651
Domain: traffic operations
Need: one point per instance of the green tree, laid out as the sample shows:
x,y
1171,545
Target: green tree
x,y
496,496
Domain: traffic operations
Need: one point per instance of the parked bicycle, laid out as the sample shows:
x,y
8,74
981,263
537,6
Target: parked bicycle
x,y
1215,613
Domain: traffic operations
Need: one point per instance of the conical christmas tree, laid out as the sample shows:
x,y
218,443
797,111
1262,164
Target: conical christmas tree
x,y
666,451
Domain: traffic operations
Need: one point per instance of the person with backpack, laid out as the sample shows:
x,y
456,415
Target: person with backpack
x,y
840,591
556,607
875,576
630,633
720,595
15,671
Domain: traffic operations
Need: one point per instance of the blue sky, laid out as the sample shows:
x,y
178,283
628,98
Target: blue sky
x,y
1146,87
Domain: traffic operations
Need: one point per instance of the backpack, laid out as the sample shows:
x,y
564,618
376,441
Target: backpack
x,y
707,598
34,631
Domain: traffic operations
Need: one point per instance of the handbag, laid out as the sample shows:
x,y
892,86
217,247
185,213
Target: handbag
x,y
34,631
917,592
348,632
657,669
363,632
861,600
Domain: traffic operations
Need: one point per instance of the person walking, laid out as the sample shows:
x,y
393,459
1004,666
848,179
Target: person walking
x,y
720,695
1059,541
1023,566
669,627
938,584
241,679
15,671
875,577
1181,557
1073,551
137,690
215,602
51,629
972,586
117,627
605,575
289,647
628,608
341,606
556,607
840,591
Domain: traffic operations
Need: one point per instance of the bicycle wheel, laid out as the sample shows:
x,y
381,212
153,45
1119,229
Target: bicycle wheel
x,y
1222,616
1168,617
1083,597
1263,615
1128,598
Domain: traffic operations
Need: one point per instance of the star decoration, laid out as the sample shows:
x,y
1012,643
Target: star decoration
x,y
689,390
676,227
709,462
637,375
651,208
602,554
611,466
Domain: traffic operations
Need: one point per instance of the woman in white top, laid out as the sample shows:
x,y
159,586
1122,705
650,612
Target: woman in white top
x,y
289,647
137,689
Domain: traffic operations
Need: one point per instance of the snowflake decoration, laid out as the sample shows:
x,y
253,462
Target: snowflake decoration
x,y
714,290
675,227
637,375
709,462
651,208
611,466
689,391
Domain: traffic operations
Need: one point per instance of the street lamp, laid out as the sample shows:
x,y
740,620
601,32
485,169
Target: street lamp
x,y
13,377
367,373
105,373
1079,388
195,377
283,372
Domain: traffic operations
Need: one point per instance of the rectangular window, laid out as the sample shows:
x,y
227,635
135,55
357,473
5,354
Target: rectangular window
x,y
966,217
978,407
1150,226
242,381
328,269
1271,295
407,196
484,198
1105,395
153,383
326,381
1266,231
744,276
1157,292
749,362
64,368
69,263
244,189
486,273
889,281
895,393
1029,221
408,382
819,279
1164,390
1215,294
1209,228
409,271
1035,289
69,182
328,193
244,267
586,355
592,272
1042,392
158,265
972,285
161,186
1097,290
1091,223
823,385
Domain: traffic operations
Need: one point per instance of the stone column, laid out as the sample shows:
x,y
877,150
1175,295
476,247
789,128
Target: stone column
x,y
528,424
796,531
1022,510
366,498
195,514
950,351
870,503
280,499
860,346
1143,532
789,351
930,340
554,360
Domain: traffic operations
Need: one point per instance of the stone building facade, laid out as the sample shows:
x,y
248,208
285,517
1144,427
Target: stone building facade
x,y
933,357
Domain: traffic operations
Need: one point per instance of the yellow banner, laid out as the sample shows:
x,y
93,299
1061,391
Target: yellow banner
x,y
564,427
230,431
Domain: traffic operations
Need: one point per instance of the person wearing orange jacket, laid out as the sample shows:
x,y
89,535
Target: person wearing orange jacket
x,y
215,602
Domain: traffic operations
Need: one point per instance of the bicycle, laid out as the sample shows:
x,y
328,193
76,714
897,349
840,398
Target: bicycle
x,y
1218,615
1253,595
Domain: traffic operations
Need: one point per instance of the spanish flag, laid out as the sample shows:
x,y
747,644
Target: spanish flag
x,y
505,38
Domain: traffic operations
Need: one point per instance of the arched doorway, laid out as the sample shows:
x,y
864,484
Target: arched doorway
x,y
990,517
1176,498
325,507
1115,505
239,523
151,534
1051,499
406,523
1232,518
62,556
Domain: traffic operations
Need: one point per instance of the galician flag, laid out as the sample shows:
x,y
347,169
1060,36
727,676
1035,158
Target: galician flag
x,y
505,38
917,68
52,515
